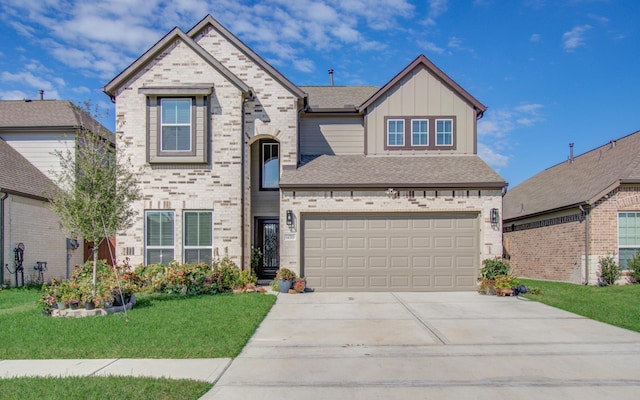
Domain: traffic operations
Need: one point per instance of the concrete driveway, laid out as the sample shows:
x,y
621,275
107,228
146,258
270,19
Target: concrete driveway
x,y
361,346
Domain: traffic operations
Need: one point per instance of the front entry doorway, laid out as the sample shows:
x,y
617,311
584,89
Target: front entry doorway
x,y
267,240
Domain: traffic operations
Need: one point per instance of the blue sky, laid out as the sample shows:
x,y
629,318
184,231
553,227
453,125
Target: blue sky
x,y
551,72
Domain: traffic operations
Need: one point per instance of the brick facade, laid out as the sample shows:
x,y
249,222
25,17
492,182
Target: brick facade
x,y
557,251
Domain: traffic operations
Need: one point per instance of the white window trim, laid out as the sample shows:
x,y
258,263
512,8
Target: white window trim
x,y
452,129
147,247
403,132
427,132
184,234
190,124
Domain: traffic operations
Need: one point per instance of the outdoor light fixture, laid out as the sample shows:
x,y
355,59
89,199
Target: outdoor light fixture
x,y
494,216
289,218
391,193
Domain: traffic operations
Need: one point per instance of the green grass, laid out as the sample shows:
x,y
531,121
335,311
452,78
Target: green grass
x,y
157,327
101,388
615,305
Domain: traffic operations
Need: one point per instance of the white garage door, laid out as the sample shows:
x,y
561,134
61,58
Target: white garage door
x,y
390,252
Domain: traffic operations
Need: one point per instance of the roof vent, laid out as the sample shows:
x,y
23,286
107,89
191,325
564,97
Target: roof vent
x,y
613,143
570,153
330,76
41,94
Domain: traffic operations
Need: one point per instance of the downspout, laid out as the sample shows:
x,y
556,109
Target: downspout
x,y
586,245
2,199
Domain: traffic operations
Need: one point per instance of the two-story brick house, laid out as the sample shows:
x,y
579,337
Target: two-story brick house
x,y
356,188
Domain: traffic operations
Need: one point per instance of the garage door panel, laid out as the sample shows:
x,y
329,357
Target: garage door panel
x,y
383,252
399,242
378,262
378,243
442,242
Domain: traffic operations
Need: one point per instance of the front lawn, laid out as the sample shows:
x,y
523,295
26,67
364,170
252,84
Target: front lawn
x,y
615,305
159,326
113,387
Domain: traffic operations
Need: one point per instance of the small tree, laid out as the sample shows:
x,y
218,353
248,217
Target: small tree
x,y
95,186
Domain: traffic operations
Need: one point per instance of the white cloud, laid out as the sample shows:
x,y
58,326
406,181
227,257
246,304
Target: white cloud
x,y
436,8
13,95
496,127
575,37
492,157
535,38
430,46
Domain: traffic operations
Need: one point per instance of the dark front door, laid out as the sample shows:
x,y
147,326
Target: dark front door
x,y
268,233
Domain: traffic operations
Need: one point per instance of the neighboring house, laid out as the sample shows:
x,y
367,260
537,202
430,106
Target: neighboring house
x,y
559,223
25,217
355,188
30,132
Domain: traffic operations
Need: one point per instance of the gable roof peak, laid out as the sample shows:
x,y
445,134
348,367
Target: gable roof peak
x,y
209,20
173,35
423,61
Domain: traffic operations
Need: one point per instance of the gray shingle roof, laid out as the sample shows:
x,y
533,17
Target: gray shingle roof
x,y
62,114
19,176
356,171
338,97
589,177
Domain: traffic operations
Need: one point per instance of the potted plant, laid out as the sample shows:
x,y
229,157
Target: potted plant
x,y
491,269
300,285
505,284
285,278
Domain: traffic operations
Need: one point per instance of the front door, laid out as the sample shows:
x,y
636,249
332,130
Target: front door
x,y
267,233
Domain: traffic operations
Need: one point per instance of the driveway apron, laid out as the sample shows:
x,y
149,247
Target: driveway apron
x,y
454,345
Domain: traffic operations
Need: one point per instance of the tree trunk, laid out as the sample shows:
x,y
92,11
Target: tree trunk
x,y
95,266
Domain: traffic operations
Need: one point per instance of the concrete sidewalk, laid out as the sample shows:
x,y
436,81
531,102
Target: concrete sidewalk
x,y
359,346
201,369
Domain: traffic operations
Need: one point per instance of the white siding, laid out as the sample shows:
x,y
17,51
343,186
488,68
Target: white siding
x,y
38,148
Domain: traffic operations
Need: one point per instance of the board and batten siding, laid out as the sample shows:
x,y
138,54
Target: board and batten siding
x,y
421,94
38,148
335,135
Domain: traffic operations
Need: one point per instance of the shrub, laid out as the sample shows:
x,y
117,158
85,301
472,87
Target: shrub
x,y
493,267
634,268
609,270
285,274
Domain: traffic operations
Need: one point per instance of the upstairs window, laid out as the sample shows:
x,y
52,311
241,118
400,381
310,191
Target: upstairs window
x,y
419,132
178,121
198,236
270,166
176,125
444,132
395,132
159,237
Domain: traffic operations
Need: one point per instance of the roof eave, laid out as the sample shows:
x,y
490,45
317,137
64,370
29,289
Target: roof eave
x,y
356,186
550,211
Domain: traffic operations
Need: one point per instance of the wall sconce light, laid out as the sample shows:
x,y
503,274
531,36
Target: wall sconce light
x,y
494,216
391,193
289,218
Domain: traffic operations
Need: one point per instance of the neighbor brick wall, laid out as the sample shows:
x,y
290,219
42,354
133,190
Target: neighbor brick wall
x,y
557,252
553,252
